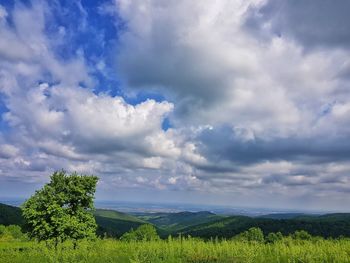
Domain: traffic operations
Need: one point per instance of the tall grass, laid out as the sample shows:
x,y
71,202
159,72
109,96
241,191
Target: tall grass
x,y
175,250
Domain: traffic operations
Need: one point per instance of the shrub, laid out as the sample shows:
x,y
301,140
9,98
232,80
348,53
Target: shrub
x,y
274,237
14,231
254,234
145,232
11,232
301,235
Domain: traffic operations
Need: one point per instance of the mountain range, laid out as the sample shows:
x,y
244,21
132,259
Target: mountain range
x,y
205,224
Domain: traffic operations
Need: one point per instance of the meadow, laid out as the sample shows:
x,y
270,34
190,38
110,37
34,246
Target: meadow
x,y
178,250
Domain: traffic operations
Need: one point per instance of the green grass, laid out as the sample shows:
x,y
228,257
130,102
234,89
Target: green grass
x,y
189,250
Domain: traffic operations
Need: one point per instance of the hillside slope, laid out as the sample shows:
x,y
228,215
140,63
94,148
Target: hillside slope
x,y
10,215
204,224
331,225
113,214
115,224
283,215
173,222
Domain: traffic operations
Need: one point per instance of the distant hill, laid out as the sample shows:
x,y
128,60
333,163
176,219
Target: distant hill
x,y
114,223
331,225
205,224
172,222
336,217
283,215
10,215
112,214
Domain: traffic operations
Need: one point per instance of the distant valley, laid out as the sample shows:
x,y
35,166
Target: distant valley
x,y
205,224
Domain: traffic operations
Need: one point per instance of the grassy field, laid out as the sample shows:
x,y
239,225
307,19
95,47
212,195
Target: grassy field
x,y
188,250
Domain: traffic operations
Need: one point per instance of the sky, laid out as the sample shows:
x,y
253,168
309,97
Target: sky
x,y
241,103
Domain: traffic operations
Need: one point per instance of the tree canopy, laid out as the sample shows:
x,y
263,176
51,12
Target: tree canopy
x,y
62,209
253,234
144,232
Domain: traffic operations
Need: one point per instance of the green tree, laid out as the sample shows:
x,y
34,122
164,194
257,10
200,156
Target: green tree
x,y
253,234
274,237
62,209
144,232
301,235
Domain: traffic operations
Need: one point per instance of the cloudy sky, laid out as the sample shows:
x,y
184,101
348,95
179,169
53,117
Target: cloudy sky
x,y
243,102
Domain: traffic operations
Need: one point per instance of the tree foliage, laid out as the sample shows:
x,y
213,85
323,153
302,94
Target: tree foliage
x,y
62,209
333,225
11,232
301,235
144,232
274,237
253,234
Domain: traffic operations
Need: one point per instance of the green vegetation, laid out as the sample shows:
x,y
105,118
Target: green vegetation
x,y
115,224
174,222
145,232
179,250
302,235
110,223
61,210
144,245
282,215
332,225
274,237
11,232
252,234
116,215
62,215
10,215
205,224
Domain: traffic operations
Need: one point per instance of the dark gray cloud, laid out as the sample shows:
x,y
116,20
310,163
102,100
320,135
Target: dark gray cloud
x,y
313,23
286,180
223,143
178,48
